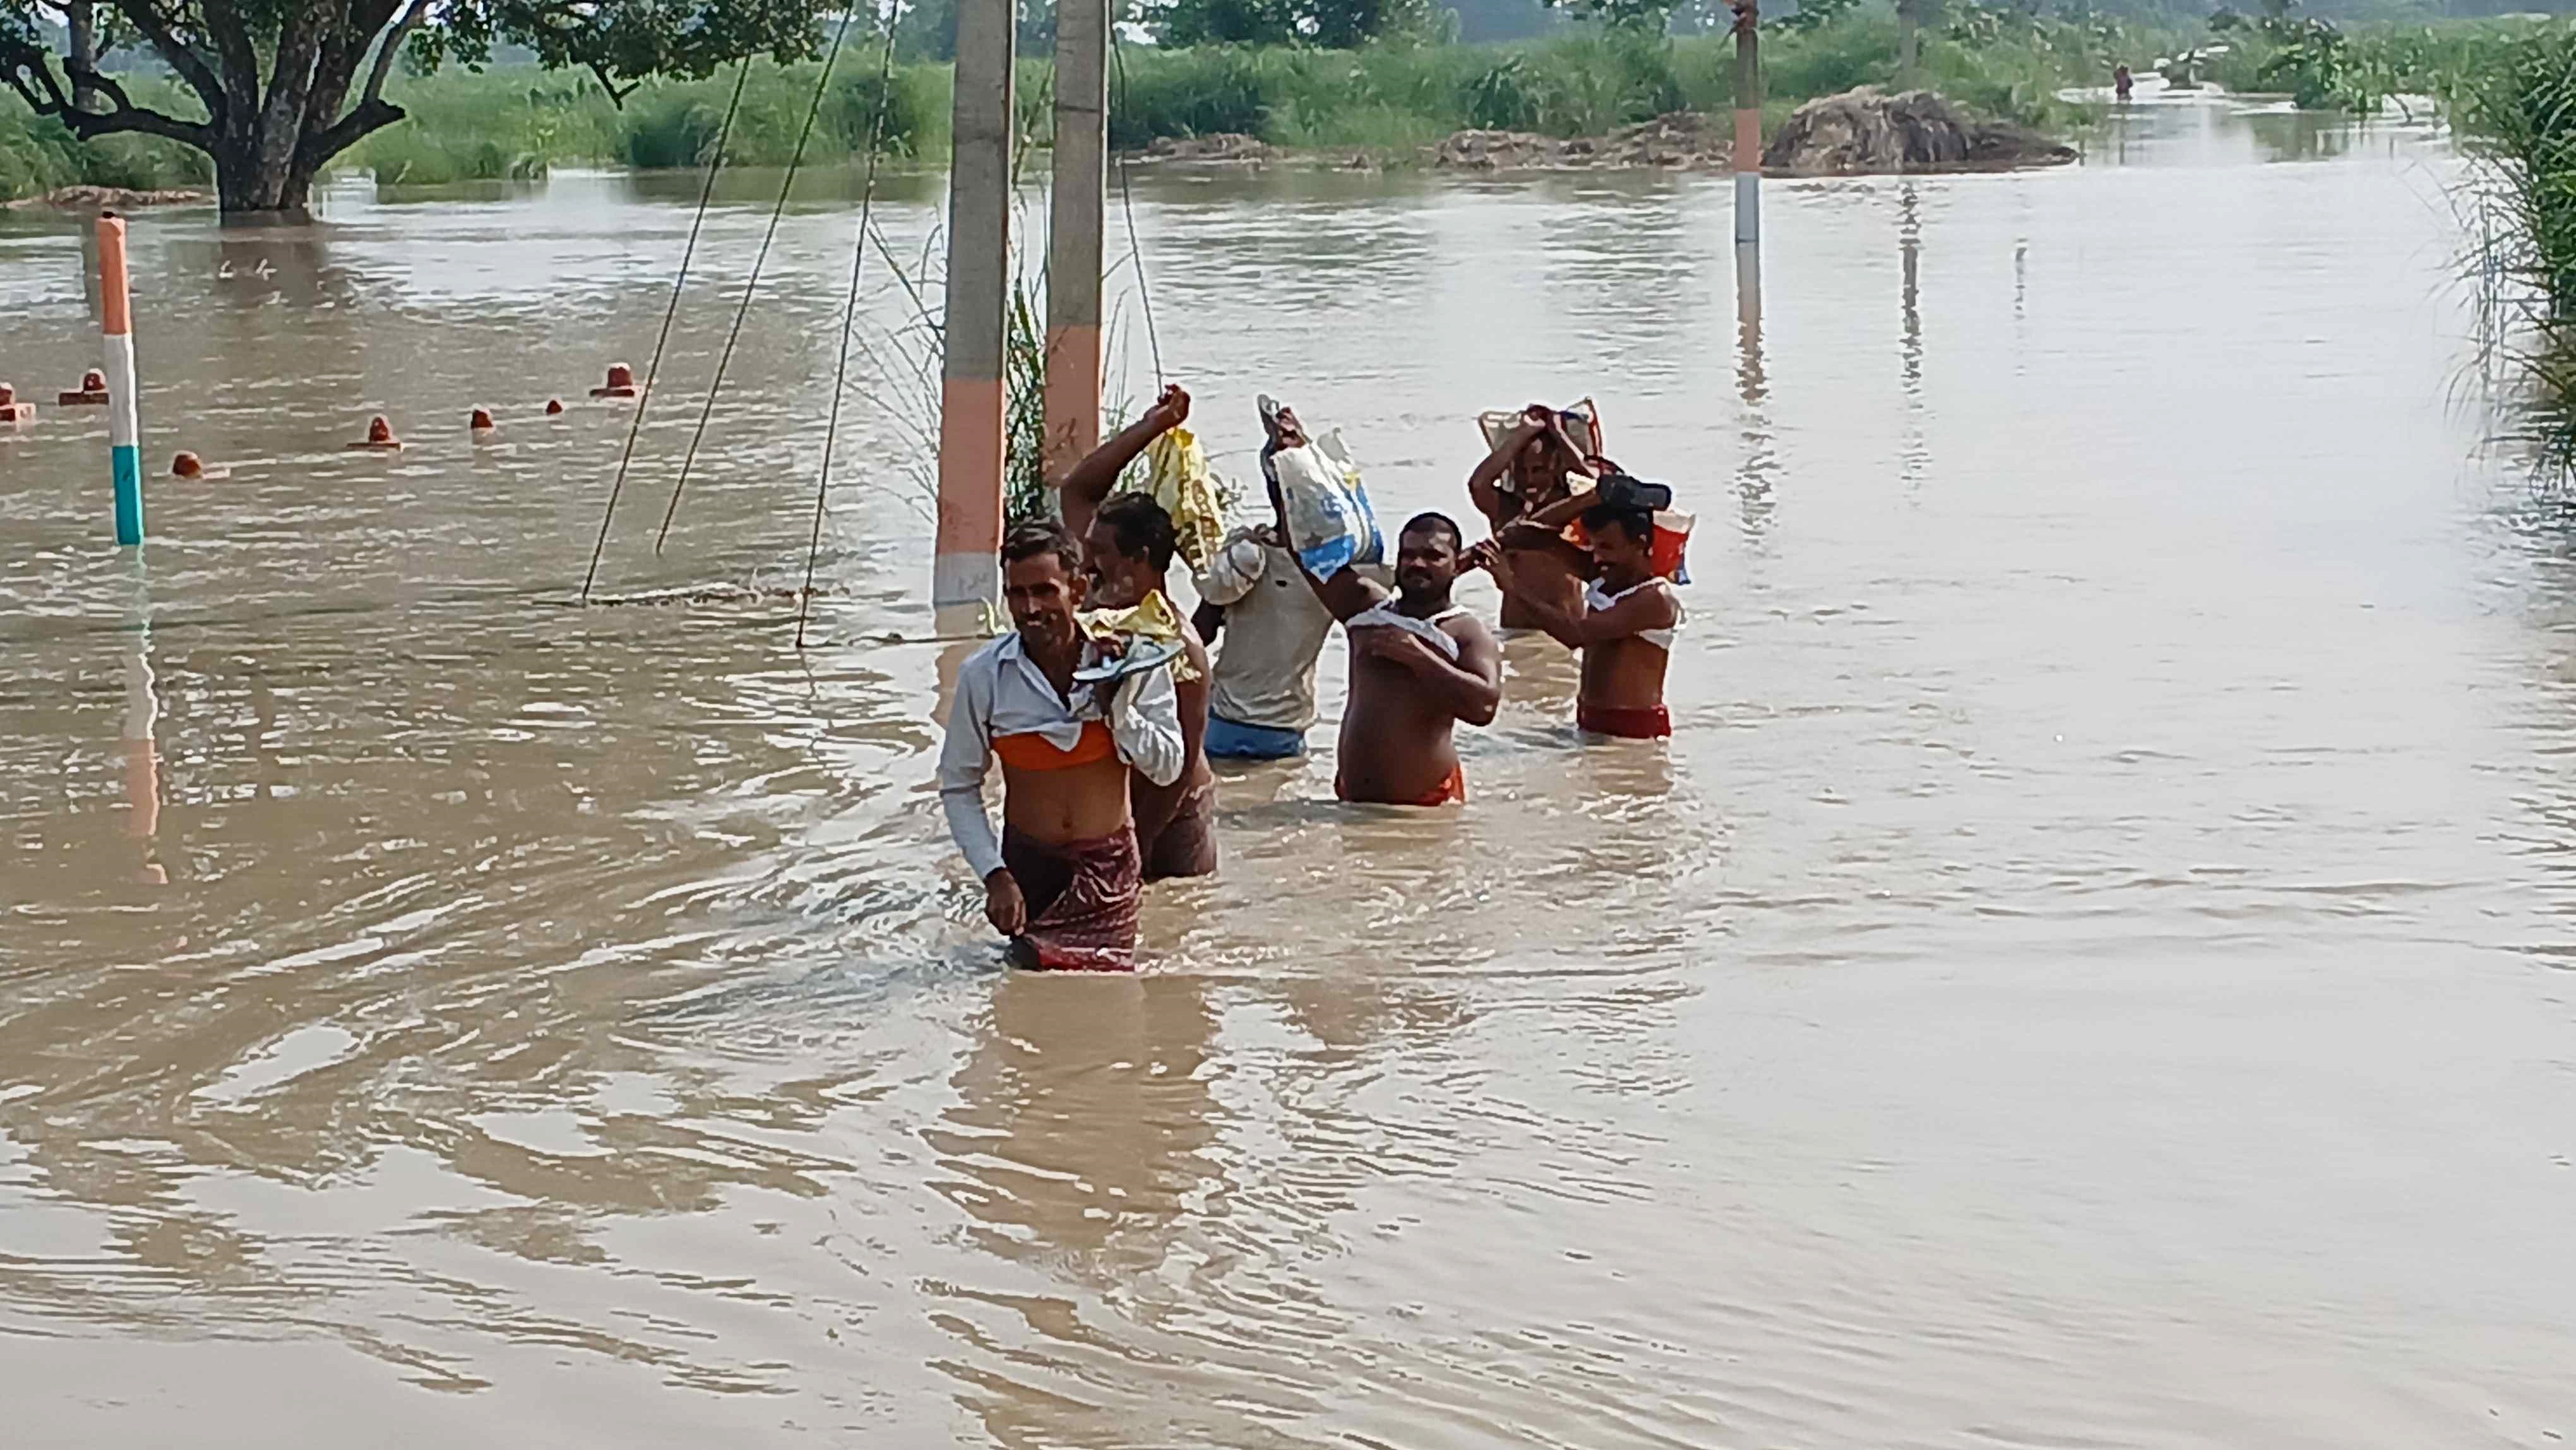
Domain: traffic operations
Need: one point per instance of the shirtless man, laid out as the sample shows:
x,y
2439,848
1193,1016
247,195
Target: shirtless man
x,y
1419,665
1624,626
1536,467
1127,544
1063,879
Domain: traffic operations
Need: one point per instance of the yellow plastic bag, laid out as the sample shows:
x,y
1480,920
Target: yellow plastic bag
x,y
1176,474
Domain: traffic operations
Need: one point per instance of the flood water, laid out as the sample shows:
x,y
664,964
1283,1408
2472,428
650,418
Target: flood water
x,y
2093,968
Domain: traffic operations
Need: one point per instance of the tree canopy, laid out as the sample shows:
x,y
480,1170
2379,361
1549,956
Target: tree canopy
x,y
282,86
1335,24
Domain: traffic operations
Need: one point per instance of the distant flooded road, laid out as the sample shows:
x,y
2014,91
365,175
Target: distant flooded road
x,y
2093,967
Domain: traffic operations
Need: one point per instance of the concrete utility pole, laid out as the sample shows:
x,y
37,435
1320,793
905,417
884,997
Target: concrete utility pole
x,y
1908,44
1748,121
1082,42
966,573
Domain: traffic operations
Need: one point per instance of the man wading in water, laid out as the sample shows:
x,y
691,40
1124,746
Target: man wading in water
x,y
1535,468
1127,544
1419,665
1062,881
1624,626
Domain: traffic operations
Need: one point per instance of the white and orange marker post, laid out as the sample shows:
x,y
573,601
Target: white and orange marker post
x,y
966,563
1748,121
1075,217
124,428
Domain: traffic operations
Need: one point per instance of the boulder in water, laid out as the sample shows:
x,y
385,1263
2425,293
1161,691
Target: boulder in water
x,y
1868,131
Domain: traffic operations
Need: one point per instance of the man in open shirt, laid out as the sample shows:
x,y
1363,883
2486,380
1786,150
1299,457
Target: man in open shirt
x,y
1063,878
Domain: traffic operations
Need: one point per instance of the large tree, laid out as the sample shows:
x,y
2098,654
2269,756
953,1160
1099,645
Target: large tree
x,y
285,85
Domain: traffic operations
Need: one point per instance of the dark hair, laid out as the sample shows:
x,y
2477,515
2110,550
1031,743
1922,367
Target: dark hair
x,y
1042,536
1640,523
1141,526
1435,523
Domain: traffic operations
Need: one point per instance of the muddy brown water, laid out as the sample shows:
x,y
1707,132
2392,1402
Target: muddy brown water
x,y
2092,968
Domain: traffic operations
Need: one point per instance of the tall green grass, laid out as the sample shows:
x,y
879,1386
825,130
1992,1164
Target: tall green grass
x,y
1586,82
2518,118
39,155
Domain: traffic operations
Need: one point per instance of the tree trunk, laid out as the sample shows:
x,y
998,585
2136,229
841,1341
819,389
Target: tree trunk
x,y
269,155
270,135
1907,42
83,52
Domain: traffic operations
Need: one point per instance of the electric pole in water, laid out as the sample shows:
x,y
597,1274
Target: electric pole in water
x,y
1074,218
966,570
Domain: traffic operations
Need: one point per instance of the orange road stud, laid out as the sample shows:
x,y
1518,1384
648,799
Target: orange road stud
x,y
13,411
92,393
482,425
621,383
380,436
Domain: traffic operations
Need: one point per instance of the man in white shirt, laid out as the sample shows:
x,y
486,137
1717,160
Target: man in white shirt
x,y
1063,879
1263,699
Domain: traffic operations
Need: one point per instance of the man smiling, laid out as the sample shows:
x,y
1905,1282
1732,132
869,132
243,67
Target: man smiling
x,y
1063,879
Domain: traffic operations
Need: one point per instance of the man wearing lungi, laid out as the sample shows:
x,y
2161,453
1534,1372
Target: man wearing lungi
x,y
1062,880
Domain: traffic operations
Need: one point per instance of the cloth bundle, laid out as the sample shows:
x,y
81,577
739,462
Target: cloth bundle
x,y
1151,619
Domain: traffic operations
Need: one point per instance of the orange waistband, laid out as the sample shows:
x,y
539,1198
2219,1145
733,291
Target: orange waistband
x,y
1036,752
1450,791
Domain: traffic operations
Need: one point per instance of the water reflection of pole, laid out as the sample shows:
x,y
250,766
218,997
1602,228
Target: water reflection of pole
x,y
1753,474
135,730
1909,246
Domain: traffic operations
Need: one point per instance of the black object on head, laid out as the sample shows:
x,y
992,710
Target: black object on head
x,y
1435,523
1141,526
1042,536
1639,523
1619,490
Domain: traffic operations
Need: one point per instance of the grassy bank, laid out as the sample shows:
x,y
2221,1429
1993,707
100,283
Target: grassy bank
x,y
2323,67
1387,100
37,156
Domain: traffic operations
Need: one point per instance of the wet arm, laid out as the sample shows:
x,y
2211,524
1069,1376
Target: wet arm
x,y
1475,686
1564,511
964,760
1484,483
1547,611
1469,688
1087,484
